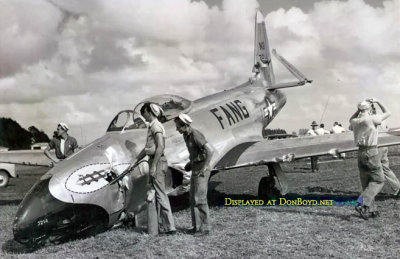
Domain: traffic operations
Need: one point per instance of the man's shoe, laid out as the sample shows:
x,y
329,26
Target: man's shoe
x,y
374,214
397,194
363,211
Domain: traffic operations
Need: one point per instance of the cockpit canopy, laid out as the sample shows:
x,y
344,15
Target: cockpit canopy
x,y
172,106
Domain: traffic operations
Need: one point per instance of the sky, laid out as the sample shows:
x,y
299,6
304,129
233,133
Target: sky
x,y
81,62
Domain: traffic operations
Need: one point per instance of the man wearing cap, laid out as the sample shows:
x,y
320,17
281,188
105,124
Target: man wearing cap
x,y
390,177
63,144
158,164
200,154
365,128
314,159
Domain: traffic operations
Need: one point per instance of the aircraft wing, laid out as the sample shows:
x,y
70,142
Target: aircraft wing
x,y
25,157
286,150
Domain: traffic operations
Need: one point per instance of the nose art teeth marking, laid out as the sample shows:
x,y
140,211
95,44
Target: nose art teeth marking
x,y
93,177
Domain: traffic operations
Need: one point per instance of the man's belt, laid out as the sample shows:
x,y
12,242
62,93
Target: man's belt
x,y
366,147
152,156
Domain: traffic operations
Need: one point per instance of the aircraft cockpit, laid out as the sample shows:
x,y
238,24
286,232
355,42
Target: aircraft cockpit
x,y
125,120
172,106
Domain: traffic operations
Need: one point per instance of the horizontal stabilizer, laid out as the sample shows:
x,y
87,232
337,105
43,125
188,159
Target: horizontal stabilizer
x,y
291,68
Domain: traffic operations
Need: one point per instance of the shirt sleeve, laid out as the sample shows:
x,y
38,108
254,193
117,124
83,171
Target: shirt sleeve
x,y
74,144
199,138
52,144
156,128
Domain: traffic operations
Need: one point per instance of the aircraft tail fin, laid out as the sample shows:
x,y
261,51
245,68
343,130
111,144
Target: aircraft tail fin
x,y
262,59
262,56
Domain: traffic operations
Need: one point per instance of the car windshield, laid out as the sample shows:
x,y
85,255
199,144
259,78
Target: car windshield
x,y
126,121
172,106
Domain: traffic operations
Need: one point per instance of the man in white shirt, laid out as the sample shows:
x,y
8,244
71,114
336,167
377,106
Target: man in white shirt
x,y
336,129
321,130
311,132
314,159
365,128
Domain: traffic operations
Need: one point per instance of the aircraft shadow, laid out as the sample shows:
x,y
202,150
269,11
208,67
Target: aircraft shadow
x,y
10,202
13,247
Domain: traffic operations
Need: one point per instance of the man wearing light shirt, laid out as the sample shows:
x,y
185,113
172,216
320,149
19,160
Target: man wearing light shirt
x,y
336,129
321,130
365,128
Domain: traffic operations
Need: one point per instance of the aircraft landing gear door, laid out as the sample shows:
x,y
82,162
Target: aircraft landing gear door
x,y
274,185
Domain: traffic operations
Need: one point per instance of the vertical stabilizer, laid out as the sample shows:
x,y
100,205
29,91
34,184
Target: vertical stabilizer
x,y
262,55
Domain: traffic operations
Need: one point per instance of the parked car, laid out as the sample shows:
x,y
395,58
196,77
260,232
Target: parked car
x,y
7,171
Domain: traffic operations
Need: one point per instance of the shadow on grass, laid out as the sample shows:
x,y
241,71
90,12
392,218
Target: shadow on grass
x,y
13,247
338,193
10,202
287,209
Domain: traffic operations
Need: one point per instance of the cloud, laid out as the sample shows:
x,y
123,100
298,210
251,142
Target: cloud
x,y
83,61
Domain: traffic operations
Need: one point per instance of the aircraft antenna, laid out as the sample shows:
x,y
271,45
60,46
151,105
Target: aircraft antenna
x,y
323,113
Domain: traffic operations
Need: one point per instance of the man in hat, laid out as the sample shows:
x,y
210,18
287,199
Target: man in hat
x,y
314,159
390,177
158,164
200,154
365,128
63,144
311,132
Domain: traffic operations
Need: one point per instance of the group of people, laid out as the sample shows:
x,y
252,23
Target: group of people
x,y
159,209
365,123
314,131
200,154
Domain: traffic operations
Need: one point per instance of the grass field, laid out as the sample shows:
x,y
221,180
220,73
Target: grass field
x,y
249,232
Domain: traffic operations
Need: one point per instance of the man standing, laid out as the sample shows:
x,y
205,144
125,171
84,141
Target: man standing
x,y
63,144
314,159
364,126
200,154
390,177
311,132
336,129
321,130
154,148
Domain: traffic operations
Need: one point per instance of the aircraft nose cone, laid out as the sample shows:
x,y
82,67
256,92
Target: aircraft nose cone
x,y
32,212
42,219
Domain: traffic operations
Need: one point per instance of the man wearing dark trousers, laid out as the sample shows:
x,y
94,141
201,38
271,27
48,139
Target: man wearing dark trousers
x,y
365,128
200,154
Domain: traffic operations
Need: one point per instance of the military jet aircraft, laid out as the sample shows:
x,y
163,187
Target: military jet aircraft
x,y
76,199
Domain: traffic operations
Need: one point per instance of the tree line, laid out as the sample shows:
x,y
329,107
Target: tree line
x,y
15,137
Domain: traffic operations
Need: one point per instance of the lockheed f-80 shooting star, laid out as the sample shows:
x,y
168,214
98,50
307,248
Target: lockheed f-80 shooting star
x,y
75,198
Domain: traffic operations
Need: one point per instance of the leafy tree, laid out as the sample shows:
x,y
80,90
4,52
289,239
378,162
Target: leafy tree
x,y
13,136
